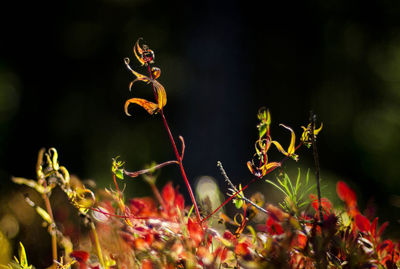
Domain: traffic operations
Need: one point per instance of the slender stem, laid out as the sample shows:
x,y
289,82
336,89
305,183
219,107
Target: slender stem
x,y
178,157
316,161
157,194
97,243
227,200
223,172
52,226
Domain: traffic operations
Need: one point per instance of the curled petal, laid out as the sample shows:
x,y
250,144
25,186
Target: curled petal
x,y
316,131
250,167
150,107
143,53
156,72
270,166
137,75
291,148
161,94
279,147
137,50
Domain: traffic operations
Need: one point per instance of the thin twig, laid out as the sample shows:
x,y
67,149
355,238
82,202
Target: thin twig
x,y
223,173
313,119
145,171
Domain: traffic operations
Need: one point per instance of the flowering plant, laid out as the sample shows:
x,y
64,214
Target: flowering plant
x,y
304,231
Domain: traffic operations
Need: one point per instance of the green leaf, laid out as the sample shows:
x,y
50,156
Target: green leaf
x,y
262,130
238,203
119,173
276,186
43,214
253,232
22,257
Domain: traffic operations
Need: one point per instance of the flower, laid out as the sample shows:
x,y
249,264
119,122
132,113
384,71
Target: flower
x,y
146,56
306,138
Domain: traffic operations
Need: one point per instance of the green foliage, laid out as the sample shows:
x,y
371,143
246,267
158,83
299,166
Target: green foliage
x,y
22,262
295,193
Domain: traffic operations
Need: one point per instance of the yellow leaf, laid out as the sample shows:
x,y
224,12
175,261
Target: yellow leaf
x,y
31,183
279,147
137,50
43,214
156,72
269,166
150,107
292,147
161,94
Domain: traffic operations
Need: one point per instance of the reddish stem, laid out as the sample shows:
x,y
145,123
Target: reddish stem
x,y
178,157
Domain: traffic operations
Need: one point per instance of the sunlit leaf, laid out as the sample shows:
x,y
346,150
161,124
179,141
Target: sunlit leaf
x,y
253,232
43,213
137,50
195,231
80,256
156,72
346,194
31,183
119,173
23,262
262,130
161,94
150,107
168,193
362,223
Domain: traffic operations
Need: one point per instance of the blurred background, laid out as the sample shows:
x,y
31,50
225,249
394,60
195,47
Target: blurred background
x,y
63,84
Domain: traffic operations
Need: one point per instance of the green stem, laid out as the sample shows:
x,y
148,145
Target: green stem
x,y
97,243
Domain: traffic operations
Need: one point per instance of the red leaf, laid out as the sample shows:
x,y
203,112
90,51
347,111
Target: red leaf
x,y
195,232
346,194
362,223
385,245
222,252
147,264
276,213
168,193
230,237
300,240
274,227
242,249
373,227
325,204
179,201
144,207
80,255
382,229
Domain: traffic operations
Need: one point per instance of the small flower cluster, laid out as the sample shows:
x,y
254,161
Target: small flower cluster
x,y
259,166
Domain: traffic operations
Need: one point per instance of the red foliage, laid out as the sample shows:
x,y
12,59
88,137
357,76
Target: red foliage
x,y
195,232
362,223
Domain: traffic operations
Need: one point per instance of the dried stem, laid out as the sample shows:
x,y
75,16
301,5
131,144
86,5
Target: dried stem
x,y
145,171
52,227
313,119
223,172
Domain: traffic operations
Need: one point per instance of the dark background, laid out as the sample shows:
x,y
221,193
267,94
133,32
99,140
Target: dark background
x,y
63,84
